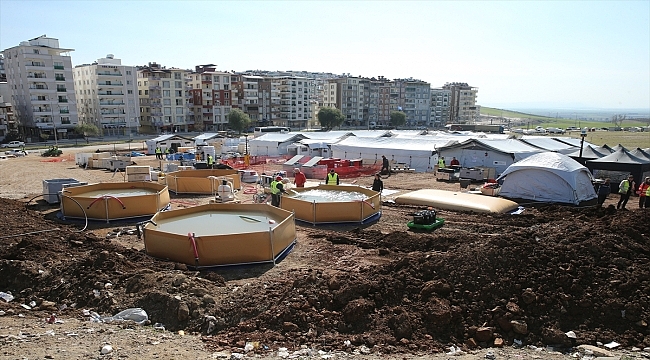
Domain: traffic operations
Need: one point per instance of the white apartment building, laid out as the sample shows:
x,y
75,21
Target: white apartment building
x,y
295,102
350,100
164,96
107,96
39,74
440,102
210,98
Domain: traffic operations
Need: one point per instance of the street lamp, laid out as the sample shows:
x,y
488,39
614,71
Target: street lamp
x,y
583,134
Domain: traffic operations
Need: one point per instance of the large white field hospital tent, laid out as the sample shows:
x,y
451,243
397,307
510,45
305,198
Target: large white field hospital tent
x,y
418,154
273,144
548,177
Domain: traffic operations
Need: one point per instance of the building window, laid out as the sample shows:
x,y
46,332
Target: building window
x,y
178,93
166,93
166,84
179,101
179,110
128,72
130,92
178,84
167,111
167,101
177,76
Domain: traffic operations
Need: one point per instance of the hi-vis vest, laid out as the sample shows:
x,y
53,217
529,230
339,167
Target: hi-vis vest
x,y
624,187
158,151
210,161
441,163
274,187
332,178
647,192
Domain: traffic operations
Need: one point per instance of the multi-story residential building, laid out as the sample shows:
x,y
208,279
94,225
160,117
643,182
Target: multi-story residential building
x,y
39,74
463,109
350,100
164,96
3,74
7,122
414,100
107,96
440,102
295,102
211,98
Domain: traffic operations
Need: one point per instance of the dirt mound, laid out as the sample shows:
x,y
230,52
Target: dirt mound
x,y
530,277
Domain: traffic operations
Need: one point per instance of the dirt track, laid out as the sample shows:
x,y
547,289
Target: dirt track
x,y
477,280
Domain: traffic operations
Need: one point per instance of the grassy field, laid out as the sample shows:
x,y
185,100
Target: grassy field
x,y
529,120
630,140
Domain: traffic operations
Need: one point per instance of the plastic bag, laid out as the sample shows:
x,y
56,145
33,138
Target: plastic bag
x,y
6,296
137,315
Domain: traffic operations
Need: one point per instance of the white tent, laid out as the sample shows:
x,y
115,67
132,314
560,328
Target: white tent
x,y
548,177
273,144
492,153
549,144
418,154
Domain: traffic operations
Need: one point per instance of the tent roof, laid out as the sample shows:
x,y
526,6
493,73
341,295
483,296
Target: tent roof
x,y
318,144
506,146
324,135
167,137
546,160
548,144
590,152
621,156
371,133
395,143
640,153
572,141
279,137
206,136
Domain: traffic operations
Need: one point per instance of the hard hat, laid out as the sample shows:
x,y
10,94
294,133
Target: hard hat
x,y
296,170
278,177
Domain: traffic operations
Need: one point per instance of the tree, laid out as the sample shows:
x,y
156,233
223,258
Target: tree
x,y
330,117
397,118
87,130
617,120
238,120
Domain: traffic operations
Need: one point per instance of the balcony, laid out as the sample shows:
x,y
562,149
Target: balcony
x,y
64,111
106,73
108,103
59,78
154,87
41,110
109,83
156,114
61,89
106,93
58,67
37,76
38,87
35,64
63,100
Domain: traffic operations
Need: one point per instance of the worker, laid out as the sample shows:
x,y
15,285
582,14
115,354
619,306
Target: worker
x,y
441,162
377,184
299,178
625,190
332,178
166,152
224,191
277,188
158,153
454,162
603,192
385,165
210,161
644,188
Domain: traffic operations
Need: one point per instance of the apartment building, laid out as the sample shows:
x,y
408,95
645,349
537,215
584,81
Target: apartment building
x,y
295,102
462,109
440,102
414,99
350,100
7,122
107,96
211,97
164,99
3,74
39,74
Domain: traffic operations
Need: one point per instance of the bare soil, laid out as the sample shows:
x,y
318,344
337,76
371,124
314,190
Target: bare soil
x,y
480,281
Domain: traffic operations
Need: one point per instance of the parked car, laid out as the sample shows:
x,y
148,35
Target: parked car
x,y
554,130
13,144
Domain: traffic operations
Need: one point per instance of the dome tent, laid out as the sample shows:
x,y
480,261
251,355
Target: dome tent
x,y
548,177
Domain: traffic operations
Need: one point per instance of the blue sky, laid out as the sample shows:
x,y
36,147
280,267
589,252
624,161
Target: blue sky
x,y
545,54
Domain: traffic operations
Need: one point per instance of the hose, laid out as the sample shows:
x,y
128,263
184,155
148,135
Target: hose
x,y
62,195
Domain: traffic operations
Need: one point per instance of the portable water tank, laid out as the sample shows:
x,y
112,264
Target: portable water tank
x,y
52,187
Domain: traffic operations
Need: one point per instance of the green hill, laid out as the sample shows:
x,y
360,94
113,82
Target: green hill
x,y
527,120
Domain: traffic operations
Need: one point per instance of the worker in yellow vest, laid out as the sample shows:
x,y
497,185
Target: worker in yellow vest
x,y
625,190
158,153
332,178
441,162
277,188
210,161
